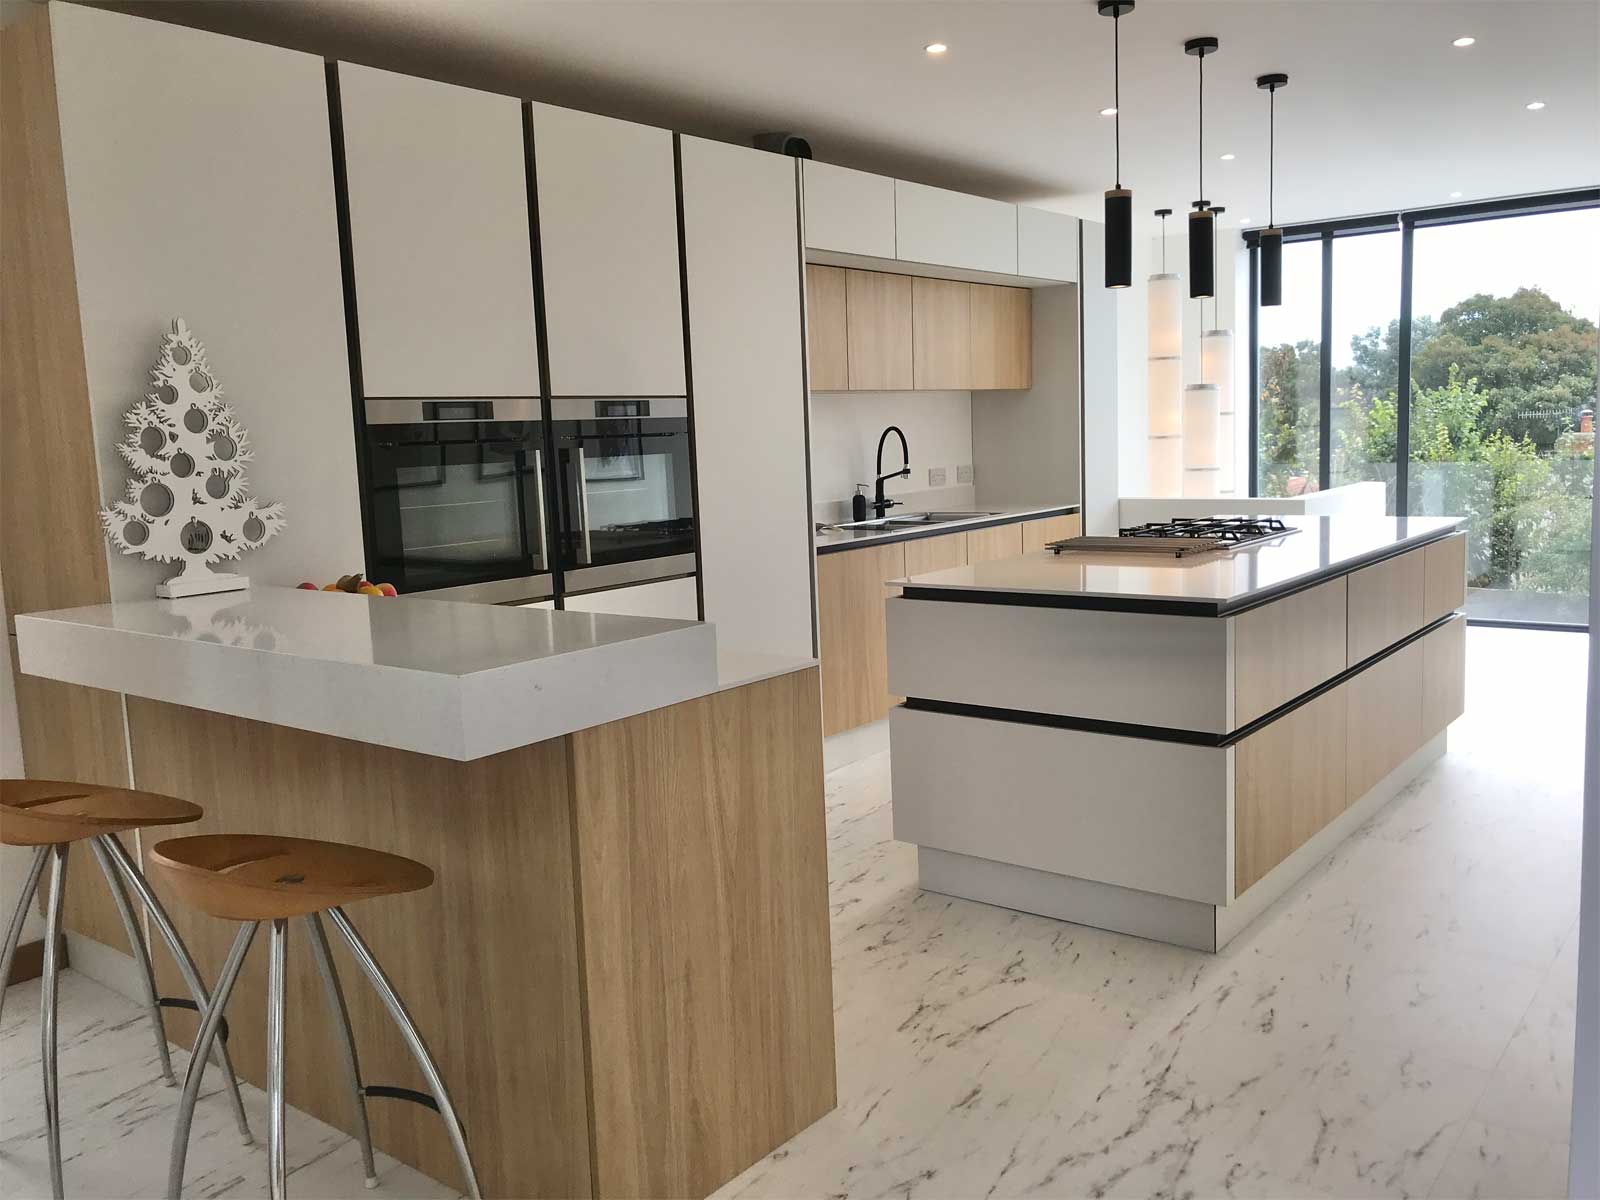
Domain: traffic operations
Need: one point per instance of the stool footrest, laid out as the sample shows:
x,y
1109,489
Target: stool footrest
x,y
400,1093
179,1002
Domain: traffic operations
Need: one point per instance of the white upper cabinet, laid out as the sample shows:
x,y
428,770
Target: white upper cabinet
x,y
438,237
1047,244
953,229
608,236
849,212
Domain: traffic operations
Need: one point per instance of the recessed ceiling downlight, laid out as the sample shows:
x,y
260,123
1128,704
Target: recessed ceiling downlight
x,y
1534,105
936,48
1461,43
1455,195
1228,158
1108,112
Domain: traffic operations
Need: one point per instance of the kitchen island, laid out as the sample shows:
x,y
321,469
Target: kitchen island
x,y
1160,745
623,966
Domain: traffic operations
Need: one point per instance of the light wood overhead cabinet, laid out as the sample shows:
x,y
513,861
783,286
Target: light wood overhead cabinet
x,y
941,334
1002,337
438,205
608,239
878,326
829,361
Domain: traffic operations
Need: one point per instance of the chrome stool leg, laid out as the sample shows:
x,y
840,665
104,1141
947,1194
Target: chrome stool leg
x,y
419,1050
141,956
118,855
341,1017
277,1170
209,1021
20,918
47,1014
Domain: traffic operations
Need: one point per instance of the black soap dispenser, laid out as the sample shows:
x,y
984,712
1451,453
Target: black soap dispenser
x,y
858,504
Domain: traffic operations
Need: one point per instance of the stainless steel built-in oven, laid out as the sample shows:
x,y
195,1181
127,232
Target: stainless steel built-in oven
x,y
626,487
457,497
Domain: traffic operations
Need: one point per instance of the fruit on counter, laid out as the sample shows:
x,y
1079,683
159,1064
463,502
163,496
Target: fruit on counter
x,y
369,589
355,585
388,589
330,587
309,587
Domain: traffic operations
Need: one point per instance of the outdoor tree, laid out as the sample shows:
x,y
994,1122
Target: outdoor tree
x,y
187,500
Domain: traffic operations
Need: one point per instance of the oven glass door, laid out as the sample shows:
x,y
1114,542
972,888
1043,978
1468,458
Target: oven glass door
x,y
627,491
456,502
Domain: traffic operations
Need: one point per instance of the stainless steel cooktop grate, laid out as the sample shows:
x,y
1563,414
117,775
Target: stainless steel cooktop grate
x,y
1182,537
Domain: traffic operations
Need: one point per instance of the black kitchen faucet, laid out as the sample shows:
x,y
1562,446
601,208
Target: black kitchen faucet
x,y
879,504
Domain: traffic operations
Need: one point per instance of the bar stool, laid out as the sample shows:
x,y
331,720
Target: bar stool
x,y
255,879
50,815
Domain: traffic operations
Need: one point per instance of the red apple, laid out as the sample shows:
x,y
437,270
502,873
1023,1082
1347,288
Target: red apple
x,y
308,587
388,589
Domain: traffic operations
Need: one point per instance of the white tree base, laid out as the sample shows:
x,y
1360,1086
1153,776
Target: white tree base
x,y
201,585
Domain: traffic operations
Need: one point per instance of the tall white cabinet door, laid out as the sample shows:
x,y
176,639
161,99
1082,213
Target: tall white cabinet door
x,y
851,212
1047,244
744,268
438,237
953,229
608,236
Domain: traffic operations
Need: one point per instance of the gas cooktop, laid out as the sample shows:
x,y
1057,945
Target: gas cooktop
x,y
1182,537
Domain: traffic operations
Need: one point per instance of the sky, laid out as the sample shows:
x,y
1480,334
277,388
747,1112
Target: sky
x,y
1558,252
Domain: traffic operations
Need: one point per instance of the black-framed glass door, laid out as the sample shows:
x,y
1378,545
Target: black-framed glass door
x,y
1449,354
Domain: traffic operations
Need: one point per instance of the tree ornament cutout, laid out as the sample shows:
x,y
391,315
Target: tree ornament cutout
x,y
187,499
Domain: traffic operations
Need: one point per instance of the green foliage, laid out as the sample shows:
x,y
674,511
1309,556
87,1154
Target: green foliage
x,y
1499,385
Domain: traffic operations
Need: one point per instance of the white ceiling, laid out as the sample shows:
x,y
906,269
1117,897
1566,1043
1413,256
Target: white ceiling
x,y
1381,111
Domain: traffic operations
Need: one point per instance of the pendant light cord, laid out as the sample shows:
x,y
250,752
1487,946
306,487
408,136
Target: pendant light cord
x,y
1272,152
1116,86
1201,140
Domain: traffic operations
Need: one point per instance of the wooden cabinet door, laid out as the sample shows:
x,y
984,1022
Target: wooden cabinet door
x,y
953,229
828,364
1385,604
878,324
1289,782
1047,244
998,541
439,245
1286,648
1385,717
1444,576
1036,535
1002,337
1444,676
850,615
608,236
936,553
941,334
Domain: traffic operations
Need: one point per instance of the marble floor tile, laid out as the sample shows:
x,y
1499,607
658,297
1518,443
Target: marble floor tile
x,y
1494,1163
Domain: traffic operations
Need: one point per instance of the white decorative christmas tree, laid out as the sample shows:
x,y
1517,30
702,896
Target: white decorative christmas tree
x,y
187,501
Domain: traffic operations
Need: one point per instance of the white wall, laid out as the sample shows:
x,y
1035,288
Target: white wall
x,y
845,427
214,203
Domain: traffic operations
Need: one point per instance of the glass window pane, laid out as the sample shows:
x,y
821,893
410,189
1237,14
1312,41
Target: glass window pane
x,y
1289,375
1366,360
1502,410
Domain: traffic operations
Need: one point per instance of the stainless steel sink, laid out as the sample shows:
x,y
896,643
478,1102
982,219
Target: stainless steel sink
x,y
908,520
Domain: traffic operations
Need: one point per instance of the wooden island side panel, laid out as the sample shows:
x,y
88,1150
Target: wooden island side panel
x,y
711,1042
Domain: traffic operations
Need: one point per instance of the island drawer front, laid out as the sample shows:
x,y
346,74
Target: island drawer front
x,y
1138,813
1444,675
1286,648
1385,604
1444,576
1385,718
1134,668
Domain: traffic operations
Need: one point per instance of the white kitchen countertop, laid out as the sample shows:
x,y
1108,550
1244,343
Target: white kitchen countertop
x,y
453,680
832,538
1207,584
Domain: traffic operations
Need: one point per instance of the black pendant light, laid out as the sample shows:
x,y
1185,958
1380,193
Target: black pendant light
x,y
1271,241
1202,223
1119,200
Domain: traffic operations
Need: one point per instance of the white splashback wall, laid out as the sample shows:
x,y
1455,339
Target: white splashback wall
x,y
845,427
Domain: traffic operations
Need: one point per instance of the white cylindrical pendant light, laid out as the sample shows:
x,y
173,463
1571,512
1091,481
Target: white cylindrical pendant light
x,y
1164,397
1227,471
1201,418
1216,367
1166,315
1166,466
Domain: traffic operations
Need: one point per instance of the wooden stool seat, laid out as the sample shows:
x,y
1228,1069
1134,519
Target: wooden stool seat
x,y
49,812
253,877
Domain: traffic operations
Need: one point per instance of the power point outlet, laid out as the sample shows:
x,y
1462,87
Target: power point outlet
x,y
935,477
964,474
